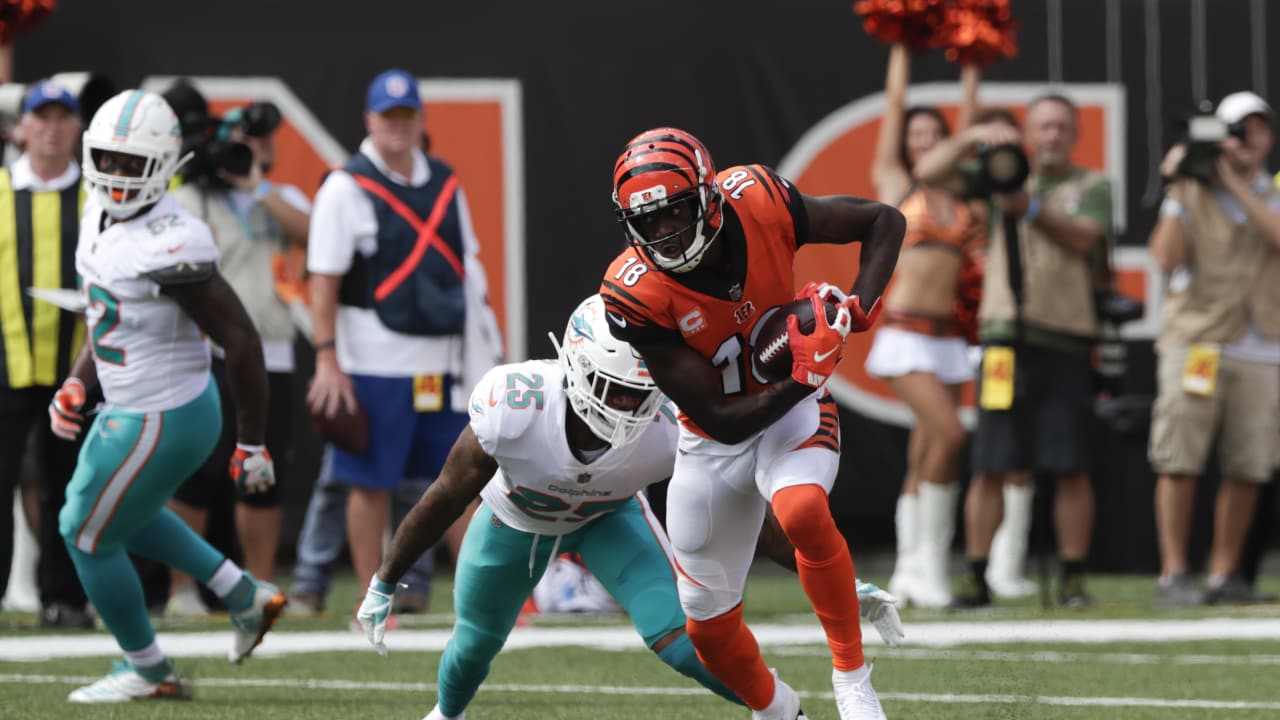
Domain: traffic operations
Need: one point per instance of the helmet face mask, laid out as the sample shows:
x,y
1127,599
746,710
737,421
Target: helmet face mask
x,y
667,175
599,368
139,125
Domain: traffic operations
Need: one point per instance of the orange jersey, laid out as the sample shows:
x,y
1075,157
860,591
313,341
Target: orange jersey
x,y
764,222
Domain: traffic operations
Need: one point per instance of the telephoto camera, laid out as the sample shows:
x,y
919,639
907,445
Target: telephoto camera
x,y
1205,134
208,138
1004,168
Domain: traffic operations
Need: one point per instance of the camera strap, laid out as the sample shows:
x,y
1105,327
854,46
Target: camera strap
x,y
1013,263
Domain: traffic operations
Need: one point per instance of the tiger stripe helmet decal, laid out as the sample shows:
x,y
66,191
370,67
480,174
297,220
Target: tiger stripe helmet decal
x,y
667,175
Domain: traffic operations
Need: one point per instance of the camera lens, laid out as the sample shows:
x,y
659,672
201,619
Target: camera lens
x,y
261,119
1005,167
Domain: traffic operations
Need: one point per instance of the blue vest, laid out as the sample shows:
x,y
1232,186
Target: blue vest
x,y
422,298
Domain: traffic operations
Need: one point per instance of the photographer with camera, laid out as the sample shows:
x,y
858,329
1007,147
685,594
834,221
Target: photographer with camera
x,y
253,220
1038,324
1218,241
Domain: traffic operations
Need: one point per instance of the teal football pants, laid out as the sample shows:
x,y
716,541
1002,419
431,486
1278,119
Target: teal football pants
x,y
129,466
495,577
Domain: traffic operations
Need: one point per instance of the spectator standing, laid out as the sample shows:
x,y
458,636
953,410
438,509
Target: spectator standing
x,y
401,324
1218,376
1035,389
40,201
253,220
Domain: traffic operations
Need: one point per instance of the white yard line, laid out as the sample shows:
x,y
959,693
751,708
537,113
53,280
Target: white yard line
x,y
945,698
1046,656
927,634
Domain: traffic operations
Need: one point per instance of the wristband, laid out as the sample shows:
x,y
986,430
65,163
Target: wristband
x,y
251,449
1172,208
1033,209
326,345
382,586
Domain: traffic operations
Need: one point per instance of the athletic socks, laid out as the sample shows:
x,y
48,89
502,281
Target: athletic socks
x,y
681,656
825,568
736,660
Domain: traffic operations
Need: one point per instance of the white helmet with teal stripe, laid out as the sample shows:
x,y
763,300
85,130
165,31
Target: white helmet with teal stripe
x,y
606,380
139,124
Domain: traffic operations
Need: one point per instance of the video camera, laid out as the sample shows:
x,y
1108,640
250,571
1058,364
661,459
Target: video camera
x,y
1204,136
209,138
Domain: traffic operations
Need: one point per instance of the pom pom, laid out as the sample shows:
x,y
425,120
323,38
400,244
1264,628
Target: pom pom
x,y
978,32
21,16
913,23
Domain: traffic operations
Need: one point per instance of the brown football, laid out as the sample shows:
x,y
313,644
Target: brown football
x,y
771,349
347,430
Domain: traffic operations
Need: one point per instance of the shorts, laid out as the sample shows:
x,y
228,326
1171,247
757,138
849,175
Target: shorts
x,y
1051,423
717,496
1245,409
896,352
403,443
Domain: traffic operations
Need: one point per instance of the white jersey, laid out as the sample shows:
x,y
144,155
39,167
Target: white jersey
x,y
150,356
518,414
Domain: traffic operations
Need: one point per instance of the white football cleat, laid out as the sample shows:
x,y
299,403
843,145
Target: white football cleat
x,y
435,714
855,698
124,684
253,622
785,704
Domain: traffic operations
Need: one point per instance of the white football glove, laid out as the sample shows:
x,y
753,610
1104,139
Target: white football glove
x,y
878,607
251,469
374,611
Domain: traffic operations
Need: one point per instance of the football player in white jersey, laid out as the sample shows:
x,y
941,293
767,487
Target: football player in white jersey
x,y
149,277
559,454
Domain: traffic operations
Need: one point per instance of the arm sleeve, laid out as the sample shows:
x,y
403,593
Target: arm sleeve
x,y
341,216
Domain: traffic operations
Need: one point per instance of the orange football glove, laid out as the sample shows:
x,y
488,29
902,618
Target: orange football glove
x,y
815,356
251,469
859,321
65,418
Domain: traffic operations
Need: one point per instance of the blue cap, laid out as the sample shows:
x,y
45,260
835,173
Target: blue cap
x,y
393,89
48,91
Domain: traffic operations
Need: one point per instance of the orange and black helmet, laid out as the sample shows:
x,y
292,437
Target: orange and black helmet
x,y
667,172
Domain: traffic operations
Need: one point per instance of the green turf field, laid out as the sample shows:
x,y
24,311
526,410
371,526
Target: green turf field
x,y
1152,677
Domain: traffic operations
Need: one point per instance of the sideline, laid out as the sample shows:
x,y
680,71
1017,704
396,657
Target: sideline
x,y
921,634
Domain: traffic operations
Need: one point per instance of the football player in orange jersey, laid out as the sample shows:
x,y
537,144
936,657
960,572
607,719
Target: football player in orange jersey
x,y
710,257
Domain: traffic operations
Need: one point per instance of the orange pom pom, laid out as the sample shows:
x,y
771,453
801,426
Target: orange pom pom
x,y
20,16
913,23
978,32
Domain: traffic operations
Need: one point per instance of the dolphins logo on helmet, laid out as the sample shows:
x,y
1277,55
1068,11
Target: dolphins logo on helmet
x,y
596,365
